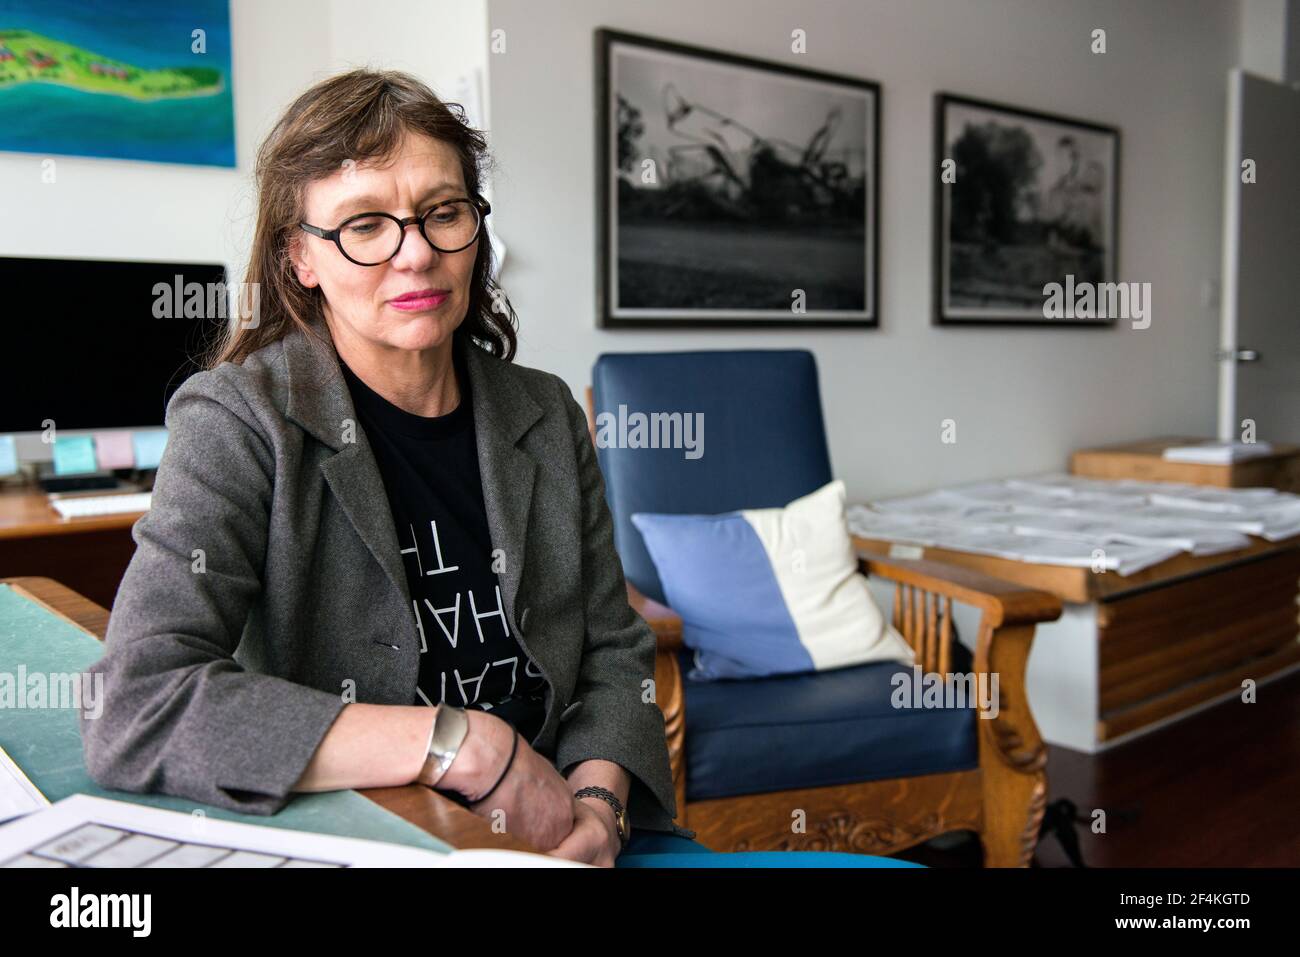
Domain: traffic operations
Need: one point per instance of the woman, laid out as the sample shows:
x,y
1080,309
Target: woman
x,y
378,551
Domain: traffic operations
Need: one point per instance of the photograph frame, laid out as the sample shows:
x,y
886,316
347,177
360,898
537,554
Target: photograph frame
x,y
604,39
939,315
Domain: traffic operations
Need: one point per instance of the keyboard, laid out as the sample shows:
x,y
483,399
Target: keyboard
x,y
102,504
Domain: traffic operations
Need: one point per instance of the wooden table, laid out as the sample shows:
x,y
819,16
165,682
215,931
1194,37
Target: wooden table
x,y
422,806
89,555
1144,461
1132,653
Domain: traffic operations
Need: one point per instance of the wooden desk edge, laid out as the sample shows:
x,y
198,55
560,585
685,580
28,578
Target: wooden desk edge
x,y
423,807
27,512
1082,585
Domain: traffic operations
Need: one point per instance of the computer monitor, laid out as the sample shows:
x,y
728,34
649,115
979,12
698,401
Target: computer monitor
x,y
97,344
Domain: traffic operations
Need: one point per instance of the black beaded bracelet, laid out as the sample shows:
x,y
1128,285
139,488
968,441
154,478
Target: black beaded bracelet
x,y
514,747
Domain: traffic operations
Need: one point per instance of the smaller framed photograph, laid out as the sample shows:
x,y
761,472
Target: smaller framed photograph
x,y
1026,217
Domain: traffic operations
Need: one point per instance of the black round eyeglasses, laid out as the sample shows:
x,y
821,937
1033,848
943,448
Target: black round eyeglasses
x,y
371,239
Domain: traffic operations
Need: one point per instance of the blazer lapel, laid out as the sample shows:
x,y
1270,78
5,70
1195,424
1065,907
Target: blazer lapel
x,y
320,402
503,413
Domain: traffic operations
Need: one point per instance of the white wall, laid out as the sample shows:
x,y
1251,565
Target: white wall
x,y
1022,398
437,40
1270,39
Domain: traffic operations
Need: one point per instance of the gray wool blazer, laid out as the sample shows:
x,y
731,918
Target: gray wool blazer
x,y
267,589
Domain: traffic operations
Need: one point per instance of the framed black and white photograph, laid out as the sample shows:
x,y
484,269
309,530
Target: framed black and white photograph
x,y
1026,214
732,191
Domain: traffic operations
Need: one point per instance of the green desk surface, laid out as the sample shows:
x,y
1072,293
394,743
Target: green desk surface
x,y
46,742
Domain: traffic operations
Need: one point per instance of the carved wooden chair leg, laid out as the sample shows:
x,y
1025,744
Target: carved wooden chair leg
x,y
1013,758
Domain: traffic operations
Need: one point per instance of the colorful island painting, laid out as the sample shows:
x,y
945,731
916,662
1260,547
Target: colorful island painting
x,y
132,79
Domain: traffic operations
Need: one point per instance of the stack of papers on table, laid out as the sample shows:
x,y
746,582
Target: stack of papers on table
x,y
86,831
1216,453
1058,519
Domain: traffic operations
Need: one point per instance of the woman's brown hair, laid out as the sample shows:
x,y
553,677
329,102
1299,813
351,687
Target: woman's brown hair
x,y
351,117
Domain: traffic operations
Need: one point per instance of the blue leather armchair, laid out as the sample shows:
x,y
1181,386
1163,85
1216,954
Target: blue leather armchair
x,y
754,759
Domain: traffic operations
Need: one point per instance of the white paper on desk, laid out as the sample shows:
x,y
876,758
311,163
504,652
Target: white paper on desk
x,y
1046,539
921,529
1135,531
929,505
1122,557
1025,496
86,831
1058,519
1078,486
1064,485
1172,494
1223,499
1266,523
1216,453
1051,483
1273,518
18,795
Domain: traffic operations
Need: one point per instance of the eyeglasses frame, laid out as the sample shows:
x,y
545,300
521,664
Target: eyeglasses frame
x,y
482,205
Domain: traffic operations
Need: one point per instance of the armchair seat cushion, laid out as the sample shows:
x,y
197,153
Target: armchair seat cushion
x,y
758,735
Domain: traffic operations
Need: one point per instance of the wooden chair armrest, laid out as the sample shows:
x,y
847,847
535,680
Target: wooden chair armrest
x,y
1012,753
670,694
1003,602
663,621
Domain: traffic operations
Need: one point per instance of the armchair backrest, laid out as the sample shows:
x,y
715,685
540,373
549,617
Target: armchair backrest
x,y
762,442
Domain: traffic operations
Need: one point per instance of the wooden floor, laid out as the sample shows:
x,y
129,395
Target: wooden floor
x,y
1220,789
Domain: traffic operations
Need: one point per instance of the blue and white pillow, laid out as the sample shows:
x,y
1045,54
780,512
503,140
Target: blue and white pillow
x,y
770,590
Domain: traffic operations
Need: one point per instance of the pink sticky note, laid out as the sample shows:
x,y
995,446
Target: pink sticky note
x,y
114,450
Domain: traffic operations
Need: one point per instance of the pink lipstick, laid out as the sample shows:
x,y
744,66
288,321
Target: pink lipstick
x,y
421,300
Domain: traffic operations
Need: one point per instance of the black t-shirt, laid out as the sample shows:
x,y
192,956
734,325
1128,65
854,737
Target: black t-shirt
x,y
430,469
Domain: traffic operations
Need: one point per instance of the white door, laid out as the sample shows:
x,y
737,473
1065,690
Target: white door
x,y
1260,355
